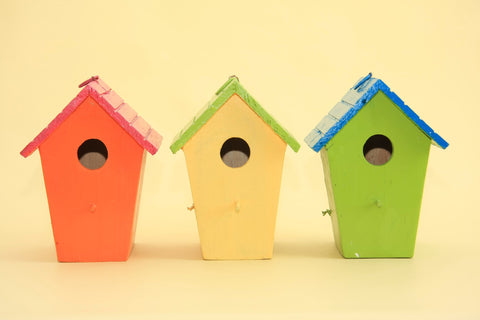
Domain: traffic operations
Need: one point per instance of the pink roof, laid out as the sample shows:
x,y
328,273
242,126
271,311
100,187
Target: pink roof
x,y
111,102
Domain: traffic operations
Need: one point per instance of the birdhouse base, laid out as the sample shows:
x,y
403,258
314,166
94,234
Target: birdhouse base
x,y
237,257
237,252
90,256
375,252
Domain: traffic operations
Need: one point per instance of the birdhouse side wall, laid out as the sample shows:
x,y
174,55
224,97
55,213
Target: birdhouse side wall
x,y
331,198
236,208
377,206
137,201
92,211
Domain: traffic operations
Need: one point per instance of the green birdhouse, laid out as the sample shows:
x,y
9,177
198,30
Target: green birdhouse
x,y
374,151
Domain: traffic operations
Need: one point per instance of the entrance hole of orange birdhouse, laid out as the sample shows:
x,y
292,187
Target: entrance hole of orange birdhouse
x,y
378,149
235,152
92,154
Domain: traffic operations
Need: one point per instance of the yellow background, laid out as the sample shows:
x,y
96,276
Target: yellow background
x,y
297,58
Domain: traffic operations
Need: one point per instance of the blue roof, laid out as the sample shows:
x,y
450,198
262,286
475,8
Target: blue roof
x,y
358,96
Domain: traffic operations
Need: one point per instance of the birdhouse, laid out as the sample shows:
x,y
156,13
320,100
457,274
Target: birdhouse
x,y
374,151
234,152
93,155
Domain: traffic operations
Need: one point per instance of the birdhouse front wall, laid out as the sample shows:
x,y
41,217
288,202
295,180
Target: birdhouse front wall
x,y
93,211
235,207
376,207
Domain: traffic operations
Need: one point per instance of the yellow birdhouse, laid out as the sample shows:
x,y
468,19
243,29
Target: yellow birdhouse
x,y
234,152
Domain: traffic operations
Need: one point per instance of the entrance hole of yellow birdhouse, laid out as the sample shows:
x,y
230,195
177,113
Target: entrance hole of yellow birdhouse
x,y
92,154
378,149
235,152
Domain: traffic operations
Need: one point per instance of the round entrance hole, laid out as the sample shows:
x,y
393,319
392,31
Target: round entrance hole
x,y
92,154
378,150
235,152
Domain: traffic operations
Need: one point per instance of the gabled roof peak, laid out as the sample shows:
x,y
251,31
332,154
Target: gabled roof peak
x,y
230,87
114,105
354,100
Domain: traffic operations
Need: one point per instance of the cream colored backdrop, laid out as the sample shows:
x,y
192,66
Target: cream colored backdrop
x,y
297,58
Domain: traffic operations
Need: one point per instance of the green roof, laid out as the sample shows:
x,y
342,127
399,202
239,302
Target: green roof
x,y
229,88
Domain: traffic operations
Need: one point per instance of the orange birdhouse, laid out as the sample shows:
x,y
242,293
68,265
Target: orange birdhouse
x,y
93,154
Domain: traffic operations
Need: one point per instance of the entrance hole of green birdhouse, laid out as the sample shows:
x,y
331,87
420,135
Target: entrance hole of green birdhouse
x,y
378,149
92,154
235,152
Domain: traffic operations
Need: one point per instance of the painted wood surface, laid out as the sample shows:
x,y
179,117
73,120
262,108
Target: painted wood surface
x,y
92,211
93,154
375,208
236,208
